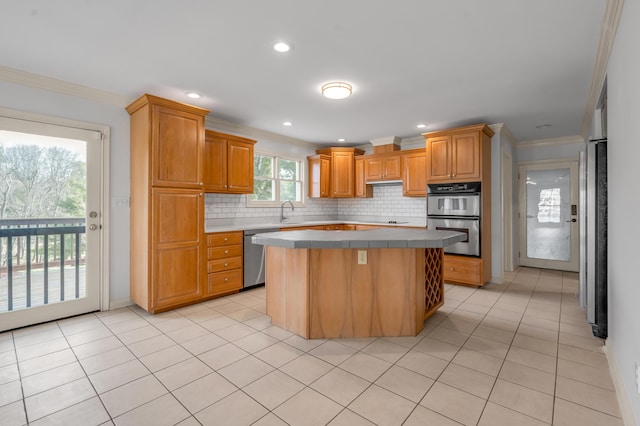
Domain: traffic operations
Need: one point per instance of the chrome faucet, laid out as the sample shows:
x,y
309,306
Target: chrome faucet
x,y
282,218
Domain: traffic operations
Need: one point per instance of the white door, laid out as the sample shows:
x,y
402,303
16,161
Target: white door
x,y
548,212
50,221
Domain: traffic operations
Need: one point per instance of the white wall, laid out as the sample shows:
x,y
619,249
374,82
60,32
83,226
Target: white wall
x,y
39,101
623,147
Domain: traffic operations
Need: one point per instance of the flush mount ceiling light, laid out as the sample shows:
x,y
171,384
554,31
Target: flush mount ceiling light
x,y
342,140
336,90
193,95
282,46
287,123
421,126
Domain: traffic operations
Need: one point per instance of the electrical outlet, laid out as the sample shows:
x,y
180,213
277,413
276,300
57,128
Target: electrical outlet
x,y
362,257
638,376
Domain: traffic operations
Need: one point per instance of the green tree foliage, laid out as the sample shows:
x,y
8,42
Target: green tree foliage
x,y
263,182
38,182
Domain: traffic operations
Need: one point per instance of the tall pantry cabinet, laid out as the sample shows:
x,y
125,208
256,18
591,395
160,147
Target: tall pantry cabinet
x,y
167,203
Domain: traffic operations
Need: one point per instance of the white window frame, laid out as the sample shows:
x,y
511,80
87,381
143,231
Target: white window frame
x,y
277,202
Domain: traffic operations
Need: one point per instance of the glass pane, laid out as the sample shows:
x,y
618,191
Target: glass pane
x,y
42,185
290,191
549,214
289,169
263,166
263,189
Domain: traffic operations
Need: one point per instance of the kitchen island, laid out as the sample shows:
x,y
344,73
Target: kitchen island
x,y
329,284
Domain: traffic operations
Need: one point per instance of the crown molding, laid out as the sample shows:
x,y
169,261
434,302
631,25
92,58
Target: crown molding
x,y
24,78
610,20
565,140
215,123
502,129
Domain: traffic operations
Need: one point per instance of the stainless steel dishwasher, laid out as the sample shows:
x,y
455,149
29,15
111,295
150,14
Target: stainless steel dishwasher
x,y
254,258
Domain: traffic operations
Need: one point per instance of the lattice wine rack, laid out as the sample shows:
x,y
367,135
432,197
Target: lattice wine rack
x,y
433,280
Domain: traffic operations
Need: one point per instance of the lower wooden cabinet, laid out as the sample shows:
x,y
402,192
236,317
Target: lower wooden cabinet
x,y
224,263
463,270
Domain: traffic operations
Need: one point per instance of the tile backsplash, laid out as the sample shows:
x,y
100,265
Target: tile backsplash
x,y
387,204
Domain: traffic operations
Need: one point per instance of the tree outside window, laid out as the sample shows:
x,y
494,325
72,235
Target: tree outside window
x,y
276,179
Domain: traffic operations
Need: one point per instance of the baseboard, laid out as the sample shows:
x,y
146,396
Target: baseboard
x,y
117,304
628,417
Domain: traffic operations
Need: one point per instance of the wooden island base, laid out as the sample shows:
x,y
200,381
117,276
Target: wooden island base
x,y
325,293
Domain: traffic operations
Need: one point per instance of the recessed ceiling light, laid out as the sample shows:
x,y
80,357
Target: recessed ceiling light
x,y
193,95
421,126
282,46
336,90
287,123
342,140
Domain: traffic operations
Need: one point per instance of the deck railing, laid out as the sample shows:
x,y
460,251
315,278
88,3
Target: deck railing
x,y
36,258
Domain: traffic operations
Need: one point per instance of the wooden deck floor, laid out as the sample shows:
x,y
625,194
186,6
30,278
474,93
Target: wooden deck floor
x,y
37,287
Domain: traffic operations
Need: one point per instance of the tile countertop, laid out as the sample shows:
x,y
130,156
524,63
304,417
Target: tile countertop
x,y
251,226
375,238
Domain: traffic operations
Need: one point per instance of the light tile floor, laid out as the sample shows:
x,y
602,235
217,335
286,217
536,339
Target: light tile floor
x,y
518,353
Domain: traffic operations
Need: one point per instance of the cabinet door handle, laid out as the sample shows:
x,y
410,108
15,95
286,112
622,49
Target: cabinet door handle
x,y
226,279
226,264
200,183
200,194
451,268
226,252
226,239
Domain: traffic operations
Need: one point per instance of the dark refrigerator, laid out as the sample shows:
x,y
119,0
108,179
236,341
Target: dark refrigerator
x,y
593,265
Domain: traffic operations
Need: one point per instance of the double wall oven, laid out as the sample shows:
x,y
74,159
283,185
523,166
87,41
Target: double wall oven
x,y
456,207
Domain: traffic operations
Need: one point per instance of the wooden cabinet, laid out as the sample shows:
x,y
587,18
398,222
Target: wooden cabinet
x,y
224,263
362,189
176,250
462,270
383,167
333,168
464,155
228,163
458,155
319,176
414,174
167,203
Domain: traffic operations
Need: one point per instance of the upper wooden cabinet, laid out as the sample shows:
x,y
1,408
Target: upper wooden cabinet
x,y
332,168
383,166
414,174
170,137
457,155
362,189
228,163
319,176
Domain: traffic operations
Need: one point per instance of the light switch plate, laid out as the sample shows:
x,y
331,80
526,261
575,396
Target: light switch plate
x,y
362,257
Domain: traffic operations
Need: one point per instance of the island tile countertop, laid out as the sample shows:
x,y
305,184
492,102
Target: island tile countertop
x,y
375,238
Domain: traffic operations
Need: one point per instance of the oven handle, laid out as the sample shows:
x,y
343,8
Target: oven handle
x,y
454,217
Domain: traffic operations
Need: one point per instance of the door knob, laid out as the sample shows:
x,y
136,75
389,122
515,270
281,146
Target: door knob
x,y
93,227
573,220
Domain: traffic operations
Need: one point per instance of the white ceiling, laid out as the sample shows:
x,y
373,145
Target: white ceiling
x,y
443,63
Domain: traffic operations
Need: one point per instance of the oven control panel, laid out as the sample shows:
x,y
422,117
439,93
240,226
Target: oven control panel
x,y
447,188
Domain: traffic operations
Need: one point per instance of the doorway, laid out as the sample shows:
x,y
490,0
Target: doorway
x,y
548,215
51,221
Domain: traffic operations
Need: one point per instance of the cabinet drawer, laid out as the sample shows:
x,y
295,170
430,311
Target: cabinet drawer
x,y
224,264
221,282
224,239
465,271
214,253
